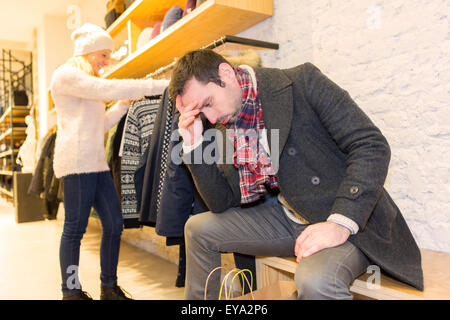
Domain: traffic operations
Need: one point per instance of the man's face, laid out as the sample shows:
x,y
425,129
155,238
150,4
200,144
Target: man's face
x,y
218,104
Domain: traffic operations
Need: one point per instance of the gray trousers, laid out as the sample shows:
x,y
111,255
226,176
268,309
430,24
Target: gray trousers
x,y
265,230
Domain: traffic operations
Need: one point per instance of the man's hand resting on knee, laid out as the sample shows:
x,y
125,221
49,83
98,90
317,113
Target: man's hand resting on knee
x,y
319,236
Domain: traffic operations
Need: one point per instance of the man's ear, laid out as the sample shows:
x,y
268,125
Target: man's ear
x,y
226,71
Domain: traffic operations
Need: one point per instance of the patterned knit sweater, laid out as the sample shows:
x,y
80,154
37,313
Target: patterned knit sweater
x,y
81,117
135,140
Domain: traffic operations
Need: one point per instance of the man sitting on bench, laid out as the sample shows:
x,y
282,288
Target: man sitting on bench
x,y
305,178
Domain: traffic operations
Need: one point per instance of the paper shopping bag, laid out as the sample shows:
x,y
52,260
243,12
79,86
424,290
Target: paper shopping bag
x,y
280,290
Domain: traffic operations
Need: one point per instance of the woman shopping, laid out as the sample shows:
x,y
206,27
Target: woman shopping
x,y
79,96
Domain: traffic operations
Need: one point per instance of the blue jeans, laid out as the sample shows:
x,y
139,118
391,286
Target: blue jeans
x,y
81,193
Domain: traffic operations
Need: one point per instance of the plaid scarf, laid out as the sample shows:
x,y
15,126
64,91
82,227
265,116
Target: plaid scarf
x,y
253,162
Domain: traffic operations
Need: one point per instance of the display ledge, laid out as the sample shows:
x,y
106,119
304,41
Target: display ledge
x,y
6,173
206,23
18,113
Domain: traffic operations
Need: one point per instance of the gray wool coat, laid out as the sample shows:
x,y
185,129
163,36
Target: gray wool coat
x,y
332,159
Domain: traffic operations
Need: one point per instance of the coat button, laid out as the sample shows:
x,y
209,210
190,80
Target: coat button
x,y
354,189
292,151
315,180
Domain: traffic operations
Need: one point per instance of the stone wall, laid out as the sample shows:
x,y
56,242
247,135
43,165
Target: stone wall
x,y
393,58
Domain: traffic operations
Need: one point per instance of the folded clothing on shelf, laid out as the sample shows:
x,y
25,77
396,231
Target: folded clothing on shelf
x,y
144,37
20,98
114,8
128,3
173,15
190,5
156,29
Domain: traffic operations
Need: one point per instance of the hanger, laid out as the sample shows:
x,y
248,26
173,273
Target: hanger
x,y
162,70
216,43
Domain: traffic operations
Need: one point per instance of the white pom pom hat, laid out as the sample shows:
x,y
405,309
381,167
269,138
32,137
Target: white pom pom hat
x,y
90,38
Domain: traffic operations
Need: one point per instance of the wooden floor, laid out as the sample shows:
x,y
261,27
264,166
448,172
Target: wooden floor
x,y
29,263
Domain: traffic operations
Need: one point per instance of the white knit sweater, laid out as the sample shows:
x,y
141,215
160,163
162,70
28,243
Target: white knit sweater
x,y
81,117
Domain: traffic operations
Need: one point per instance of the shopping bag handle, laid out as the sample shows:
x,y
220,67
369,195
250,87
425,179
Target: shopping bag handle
x,y
238,271
249,284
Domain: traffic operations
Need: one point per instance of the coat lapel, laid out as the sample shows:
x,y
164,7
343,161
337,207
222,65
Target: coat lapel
x,y
275,91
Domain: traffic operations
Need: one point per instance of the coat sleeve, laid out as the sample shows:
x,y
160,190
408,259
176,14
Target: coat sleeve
x,y
219,188
366,149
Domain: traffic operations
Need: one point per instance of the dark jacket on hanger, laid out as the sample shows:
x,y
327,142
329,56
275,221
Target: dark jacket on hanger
x,y
44,183
112,154
165,191
179,199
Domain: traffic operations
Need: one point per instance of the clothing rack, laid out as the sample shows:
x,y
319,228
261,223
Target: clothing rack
x,y
255,44
238,42
162,69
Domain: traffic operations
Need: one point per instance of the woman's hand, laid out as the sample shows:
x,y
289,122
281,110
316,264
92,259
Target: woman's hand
x,y
125,103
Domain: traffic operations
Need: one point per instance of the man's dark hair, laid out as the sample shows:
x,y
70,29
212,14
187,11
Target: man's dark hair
x,y
201,64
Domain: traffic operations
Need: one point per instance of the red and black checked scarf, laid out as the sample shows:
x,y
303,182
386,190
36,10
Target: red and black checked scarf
x,y
253,162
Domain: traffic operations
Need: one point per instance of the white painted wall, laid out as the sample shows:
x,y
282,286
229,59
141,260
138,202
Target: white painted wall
x,y
14,45
393,58
93,11
54,46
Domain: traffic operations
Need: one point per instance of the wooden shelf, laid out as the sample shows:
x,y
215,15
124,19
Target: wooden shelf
x,y
17,123
7,192
6,173
210,21
8,153
18,132
18,114
144,13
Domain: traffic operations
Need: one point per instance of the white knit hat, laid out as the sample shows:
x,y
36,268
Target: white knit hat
x,y
90,38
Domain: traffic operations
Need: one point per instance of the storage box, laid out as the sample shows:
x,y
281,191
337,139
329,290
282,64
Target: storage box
x,y
27,207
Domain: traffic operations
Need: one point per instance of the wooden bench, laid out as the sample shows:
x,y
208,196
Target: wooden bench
x,y
436,272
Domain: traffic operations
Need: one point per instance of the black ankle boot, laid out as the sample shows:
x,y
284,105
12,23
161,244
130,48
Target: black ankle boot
x,y
80,295
113,293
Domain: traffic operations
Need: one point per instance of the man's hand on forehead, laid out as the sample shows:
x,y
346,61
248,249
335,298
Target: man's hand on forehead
x,y
184,108
179,103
